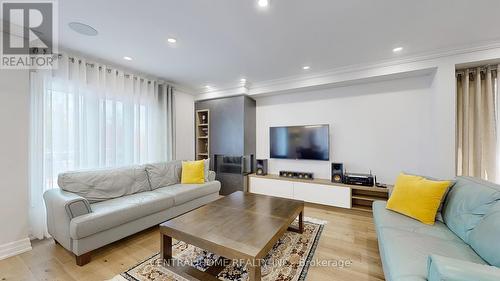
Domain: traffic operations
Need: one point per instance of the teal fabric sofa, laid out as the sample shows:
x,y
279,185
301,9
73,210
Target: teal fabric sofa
x,y
463,245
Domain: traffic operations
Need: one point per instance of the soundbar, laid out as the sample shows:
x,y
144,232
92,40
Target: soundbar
x,y
296,175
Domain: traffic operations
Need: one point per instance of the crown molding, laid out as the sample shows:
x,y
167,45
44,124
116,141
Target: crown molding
x,y
385,69
184,88
235,91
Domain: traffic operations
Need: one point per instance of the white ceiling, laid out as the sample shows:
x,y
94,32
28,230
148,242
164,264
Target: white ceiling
x,y
221,41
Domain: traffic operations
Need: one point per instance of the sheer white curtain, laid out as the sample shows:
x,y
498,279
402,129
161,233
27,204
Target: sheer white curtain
x,y
87,115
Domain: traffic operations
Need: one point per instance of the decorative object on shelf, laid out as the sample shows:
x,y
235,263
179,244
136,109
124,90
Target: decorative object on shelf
x,y
338,172
261,167
204,131
381,185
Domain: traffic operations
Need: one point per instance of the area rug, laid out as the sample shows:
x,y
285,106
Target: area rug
x,y
288,260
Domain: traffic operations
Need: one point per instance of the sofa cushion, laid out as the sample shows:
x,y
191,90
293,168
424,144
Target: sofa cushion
x,y
405,244
211,176
164,173
467,203
406,252
417,197
193,172
111,213
485,238
387,218
439,216
183,193
206,169
105,184
448,269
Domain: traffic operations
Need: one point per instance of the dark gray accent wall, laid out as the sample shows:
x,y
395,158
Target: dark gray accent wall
x,y
232,133
232,125
250,123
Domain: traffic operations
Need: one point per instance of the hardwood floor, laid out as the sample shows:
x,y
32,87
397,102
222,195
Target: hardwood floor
x,y
348,236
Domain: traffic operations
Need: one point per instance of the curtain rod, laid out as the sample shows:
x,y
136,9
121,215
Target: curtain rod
x,y
493,67
109,70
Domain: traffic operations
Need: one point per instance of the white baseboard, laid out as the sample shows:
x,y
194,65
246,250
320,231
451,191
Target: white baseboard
x,y
14,248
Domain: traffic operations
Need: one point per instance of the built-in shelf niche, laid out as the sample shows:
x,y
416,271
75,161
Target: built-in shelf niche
x,y
363,197
202,134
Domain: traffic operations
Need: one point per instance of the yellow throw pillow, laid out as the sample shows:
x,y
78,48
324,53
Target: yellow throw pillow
x,y
193,172
417,197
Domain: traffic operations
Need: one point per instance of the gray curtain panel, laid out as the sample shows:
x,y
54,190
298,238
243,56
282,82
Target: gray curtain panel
x,y
167,102
477,122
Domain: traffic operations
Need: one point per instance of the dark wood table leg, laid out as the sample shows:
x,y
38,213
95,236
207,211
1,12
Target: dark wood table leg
x,y
299,229
254,271
166,248
218,267
301,222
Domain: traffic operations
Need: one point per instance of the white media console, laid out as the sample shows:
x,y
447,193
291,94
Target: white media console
x,y
319,191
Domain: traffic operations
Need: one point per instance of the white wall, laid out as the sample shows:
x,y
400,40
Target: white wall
x,y
14,128
432,153
383,126
441,162
184,126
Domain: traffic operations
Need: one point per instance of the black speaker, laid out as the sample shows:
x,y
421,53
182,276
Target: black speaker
x,y
337,172
261,168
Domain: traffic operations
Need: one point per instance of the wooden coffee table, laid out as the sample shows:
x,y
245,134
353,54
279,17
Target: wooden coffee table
x,y
241,226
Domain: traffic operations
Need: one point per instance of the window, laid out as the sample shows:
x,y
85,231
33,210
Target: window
x,y
87,116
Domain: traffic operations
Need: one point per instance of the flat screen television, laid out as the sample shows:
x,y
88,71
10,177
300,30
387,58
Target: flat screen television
x,y
300,142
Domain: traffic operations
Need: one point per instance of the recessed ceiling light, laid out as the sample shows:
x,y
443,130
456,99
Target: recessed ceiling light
x,y
83,29
243,80
127,58
306,67
397,49
172,40
263,3
208,87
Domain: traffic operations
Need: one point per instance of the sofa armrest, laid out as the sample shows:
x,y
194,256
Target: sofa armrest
x,y
449,269
211,175
62,207
74,205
